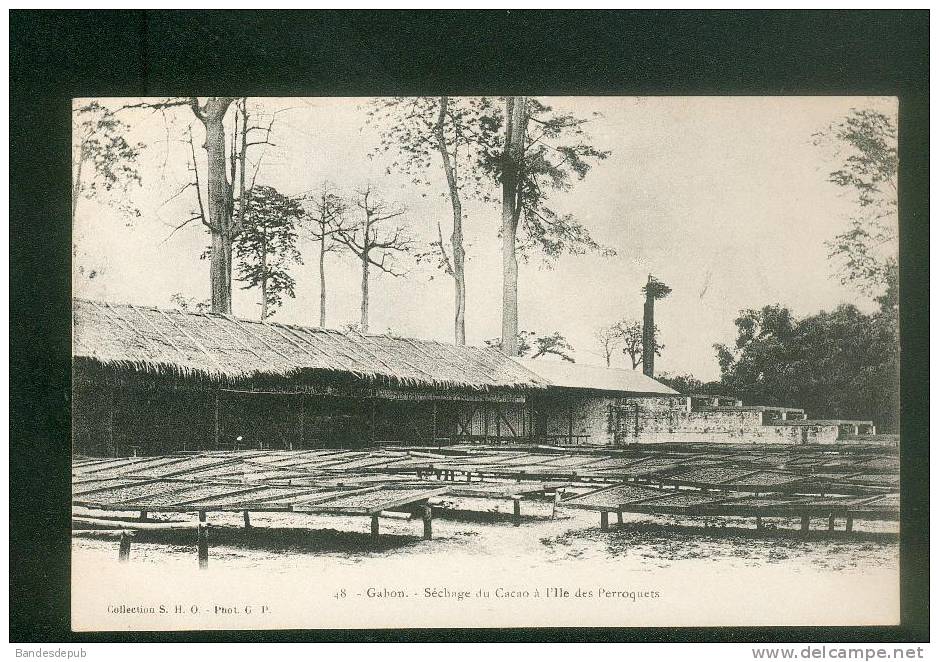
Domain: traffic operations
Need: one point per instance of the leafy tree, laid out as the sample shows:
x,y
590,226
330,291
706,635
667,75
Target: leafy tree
x,y
224,179
418,130
322,221
654,289
686,384
190,304
555,344
632,338
104,163
523,342
373,242
837,364
866,141
530,342
267,246
541,151
609,338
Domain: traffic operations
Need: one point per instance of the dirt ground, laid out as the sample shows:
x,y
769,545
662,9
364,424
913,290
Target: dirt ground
x,y
325,571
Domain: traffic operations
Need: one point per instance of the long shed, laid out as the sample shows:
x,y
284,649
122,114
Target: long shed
x,y
149,380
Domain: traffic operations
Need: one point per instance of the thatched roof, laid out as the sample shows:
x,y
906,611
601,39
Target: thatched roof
x,y
208,345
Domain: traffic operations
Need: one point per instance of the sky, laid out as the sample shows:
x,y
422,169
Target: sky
x,y
725,199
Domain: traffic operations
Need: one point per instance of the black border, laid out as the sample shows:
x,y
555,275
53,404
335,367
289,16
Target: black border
x,y
55,55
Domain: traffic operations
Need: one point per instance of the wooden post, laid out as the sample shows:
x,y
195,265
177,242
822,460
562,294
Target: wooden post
x,y
759,523
805,523
202,516
604,520
433,437
849,523
202,542
516,512
143,514
619,516
554,507
428,523
123,552
469,476
498,426
375,528
831,522
247,520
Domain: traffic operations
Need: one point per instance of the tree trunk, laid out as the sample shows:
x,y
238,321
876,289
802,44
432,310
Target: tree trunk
x,y
219,201
513,153
323,280
242,162
264,278
218,274
456,238
648,337
364,320
77,184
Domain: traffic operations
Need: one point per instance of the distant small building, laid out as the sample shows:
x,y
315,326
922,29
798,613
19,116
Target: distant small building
x,y
584,404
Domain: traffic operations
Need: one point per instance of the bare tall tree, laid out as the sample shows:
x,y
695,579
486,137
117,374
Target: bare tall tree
x,y
419,130
513,153
541,150
216,213
654,290
322,222
609,338
374,243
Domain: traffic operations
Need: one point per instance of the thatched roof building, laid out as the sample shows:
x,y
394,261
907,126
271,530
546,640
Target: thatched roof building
x,y
222,348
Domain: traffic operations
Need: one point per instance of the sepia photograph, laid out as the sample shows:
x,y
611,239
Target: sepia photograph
x,y
484,361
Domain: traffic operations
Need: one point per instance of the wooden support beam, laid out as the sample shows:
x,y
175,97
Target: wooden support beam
x,y
247,520
805,523
202,516
849,523
619,516
131,525
554,506
394,514
604,520
428,517
143,514
831,522
516,512
202,542
759,523
375,527
123,552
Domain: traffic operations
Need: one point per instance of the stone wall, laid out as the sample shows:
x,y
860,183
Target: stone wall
x,y
596,420
660,420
